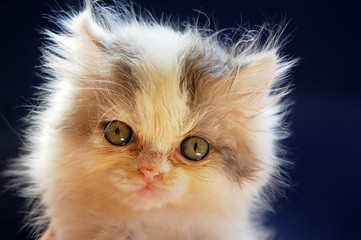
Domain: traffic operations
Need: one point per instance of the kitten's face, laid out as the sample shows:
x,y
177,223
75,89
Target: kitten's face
x,y
139,144
156,99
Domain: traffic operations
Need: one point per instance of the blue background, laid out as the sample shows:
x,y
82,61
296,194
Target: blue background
x,y
325,199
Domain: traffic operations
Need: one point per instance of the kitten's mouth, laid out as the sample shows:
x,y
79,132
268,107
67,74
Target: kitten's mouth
x,y
149,190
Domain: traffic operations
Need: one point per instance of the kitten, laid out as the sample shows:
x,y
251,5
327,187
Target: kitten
x,y
150,130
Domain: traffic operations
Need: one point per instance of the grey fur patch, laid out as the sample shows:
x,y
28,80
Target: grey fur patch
x,y
230,164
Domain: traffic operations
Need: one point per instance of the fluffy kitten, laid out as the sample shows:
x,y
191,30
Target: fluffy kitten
x,y
149,130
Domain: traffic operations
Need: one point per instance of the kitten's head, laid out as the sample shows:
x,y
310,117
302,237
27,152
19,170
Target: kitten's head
x,y
148,116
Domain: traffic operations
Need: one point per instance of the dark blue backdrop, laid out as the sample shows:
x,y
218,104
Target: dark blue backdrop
x,y
325,201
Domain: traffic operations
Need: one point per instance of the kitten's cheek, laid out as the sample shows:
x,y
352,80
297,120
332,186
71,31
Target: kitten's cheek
x,y
117,178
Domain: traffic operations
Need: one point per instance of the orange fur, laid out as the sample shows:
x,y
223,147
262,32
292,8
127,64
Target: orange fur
x,y
166,84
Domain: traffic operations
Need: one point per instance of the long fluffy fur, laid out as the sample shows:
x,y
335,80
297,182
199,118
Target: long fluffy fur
x,y
168,81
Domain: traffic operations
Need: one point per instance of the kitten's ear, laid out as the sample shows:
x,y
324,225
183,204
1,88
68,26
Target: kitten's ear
x,y
256,79
79,50
91,36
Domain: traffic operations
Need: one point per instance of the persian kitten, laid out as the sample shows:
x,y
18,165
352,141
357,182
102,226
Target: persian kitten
x,y
153,130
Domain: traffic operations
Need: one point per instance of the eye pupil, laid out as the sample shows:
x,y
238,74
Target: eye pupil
x,y
194,148
118,133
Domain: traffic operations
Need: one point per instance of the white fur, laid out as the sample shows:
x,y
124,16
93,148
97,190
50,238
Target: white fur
x,y
76,195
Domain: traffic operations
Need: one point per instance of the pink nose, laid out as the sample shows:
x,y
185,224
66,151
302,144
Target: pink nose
x,y
149,175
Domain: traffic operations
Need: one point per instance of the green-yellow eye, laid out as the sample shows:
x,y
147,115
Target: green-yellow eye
x,y
118,133
194,148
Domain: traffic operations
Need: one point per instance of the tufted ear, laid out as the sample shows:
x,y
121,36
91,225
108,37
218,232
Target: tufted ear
x,y
88,35
78,51
256,79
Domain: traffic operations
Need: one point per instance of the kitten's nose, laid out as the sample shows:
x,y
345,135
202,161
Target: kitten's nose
x,y
149,175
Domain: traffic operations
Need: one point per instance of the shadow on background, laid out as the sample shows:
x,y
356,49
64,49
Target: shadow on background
x,y
324,202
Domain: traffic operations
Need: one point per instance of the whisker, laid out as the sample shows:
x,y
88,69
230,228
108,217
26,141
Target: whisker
x,y
99,89
109,82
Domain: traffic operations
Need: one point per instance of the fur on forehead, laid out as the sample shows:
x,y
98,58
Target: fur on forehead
x,y
132,44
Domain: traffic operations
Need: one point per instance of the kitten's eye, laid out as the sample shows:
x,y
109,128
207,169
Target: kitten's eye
x,y
118,133
194,148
